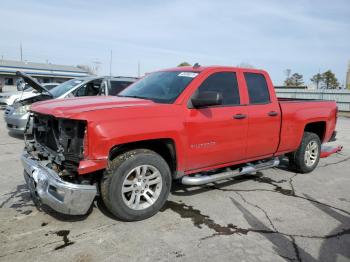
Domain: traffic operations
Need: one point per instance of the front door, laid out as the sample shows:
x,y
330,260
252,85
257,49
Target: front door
x,y
216,135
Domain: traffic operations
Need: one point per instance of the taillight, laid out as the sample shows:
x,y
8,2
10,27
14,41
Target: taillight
x,y
86,143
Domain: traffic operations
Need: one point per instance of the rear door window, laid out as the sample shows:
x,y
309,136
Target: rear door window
x,y
257,88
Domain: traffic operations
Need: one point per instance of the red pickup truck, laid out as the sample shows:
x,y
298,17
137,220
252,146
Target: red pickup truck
x,y
196,124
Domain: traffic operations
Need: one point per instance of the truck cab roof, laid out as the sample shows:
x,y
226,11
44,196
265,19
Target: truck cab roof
x,y
212,67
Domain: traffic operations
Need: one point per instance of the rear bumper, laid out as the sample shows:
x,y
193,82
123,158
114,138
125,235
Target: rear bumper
x,y
46,186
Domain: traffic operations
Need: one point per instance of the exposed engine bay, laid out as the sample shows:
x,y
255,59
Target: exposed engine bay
x,y
58,143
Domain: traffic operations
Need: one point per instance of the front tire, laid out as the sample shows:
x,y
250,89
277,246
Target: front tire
x,y
307,156
136,184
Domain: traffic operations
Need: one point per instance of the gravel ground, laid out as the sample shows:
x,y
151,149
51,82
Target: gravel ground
x,y
277,215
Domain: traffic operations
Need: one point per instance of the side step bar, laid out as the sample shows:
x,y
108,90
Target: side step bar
x,y
249,168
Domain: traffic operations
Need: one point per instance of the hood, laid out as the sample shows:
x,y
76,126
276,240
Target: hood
x,y
69,107
16,97
33,83
7,94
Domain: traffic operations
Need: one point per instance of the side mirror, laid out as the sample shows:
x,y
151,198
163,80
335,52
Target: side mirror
x,y
208,98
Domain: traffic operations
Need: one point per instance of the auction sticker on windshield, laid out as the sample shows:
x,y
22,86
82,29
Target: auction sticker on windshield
x,y
188,74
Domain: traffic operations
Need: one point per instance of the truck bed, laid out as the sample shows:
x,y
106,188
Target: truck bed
x,y
296,112
285,99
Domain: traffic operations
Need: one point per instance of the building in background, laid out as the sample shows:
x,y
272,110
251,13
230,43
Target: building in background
x,y
347,80
291,87
44,73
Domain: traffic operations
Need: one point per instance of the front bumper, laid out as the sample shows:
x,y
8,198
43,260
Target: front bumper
x,y
46,186
4,102
15,123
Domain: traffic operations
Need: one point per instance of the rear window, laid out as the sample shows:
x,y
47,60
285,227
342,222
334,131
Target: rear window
x,y
257,88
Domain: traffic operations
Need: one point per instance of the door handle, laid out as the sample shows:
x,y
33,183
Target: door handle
x,y
239,116
272,113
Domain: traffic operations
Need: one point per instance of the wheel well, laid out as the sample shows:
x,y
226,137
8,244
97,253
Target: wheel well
x,y
164,147
319,128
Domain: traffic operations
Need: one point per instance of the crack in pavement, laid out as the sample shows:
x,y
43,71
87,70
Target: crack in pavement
x,y
199,220
290,181
288,258
292,236
334,163
258,207
296,249
278,189
295,246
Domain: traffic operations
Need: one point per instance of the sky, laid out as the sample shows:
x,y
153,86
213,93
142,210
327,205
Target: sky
x,y
305,36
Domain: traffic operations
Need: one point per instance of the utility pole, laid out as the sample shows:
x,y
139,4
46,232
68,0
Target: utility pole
x,y
20,47
347,80
110,63
138,69
96,66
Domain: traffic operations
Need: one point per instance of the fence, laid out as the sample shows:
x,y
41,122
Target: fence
x,y
341,96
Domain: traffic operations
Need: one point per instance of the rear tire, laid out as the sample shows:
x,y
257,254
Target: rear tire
x,y
307,156
136,184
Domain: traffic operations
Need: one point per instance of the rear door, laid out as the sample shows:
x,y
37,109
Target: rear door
x,y
264,116
217,135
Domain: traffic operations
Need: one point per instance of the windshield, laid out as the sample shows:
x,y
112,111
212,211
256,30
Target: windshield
x,y
160,87
65,87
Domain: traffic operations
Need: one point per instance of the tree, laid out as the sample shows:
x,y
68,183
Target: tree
x,y
317,80
288,72
294,80
184,64
329,81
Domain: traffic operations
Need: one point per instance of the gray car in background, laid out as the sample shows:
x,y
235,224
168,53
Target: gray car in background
x,y
8,98
16,116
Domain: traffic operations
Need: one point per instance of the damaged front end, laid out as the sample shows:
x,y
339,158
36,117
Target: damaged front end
x,y
53,149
